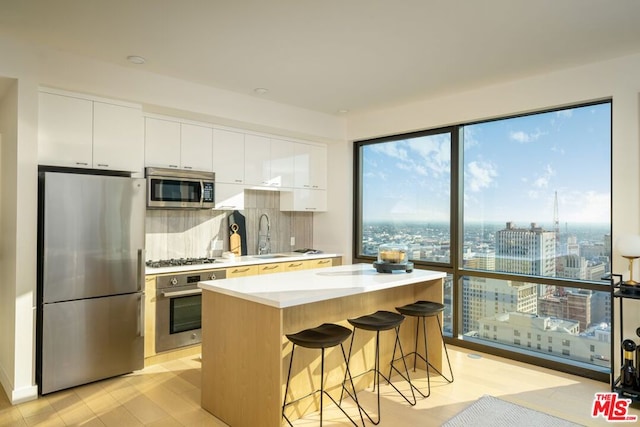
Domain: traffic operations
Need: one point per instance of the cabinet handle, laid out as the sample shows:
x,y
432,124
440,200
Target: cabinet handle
x,y
187,167
82,163
311,209
306,186
269,267
237,180
240,271
324,262
173,166
295,265
103,165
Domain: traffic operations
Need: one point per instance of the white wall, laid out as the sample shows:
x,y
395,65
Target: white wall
x,y
8,137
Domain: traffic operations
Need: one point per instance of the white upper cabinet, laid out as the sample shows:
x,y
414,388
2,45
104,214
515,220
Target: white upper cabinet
x,y
229,196
268,162
257,160
86,133
228,156
161,143
282,158
310,166
303,199
117,137
196,147
171,144
65,131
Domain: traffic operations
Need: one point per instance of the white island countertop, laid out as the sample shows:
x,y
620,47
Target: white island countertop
x,y
281,290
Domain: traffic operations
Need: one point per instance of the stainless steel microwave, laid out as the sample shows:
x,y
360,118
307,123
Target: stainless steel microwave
x,y
179,189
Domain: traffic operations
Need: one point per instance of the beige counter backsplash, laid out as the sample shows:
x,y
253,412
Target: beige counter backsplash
x,y
193,233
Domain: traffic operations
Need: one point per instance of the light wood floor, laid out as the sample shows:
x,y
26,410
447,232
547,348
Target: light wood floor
x,y
168,394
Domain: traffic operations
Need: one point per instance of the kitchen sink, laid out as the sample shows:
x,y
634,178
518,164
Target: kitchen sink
x,y
270,256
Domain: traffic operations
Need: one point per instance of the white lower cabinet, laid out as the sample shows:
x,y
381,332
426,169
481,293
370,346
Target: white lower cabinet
x,y
302,199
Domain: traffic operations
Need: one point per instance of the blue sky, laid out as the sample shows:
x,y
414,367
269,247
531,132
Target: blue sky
x,y
513,168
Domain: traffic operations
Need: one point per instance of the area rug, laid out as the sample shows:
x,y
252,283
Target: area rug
x,y
489,411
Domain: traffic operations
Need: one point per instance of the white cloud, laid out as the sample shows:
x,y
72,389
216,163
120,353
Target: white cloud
x,y
524,137
394,150
564,113
542,181
480,175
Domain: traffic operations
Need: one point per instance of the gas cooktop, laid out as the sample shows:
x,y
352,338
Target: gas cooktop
x,y
177,262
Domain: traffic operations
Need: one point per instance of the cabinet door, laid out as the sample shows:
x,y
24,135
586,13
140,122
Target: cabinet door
x,y
242,271
196,147
310,166
118,141
228,156
294,265
282,154
318,167
257,160
319,263
161,143
270,268
229,196
65,131
302,199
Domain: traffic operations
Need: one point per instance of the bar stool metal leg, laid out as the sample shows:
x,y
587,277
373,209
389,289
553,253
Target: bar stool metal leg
x,y
423,310
304,339
377,322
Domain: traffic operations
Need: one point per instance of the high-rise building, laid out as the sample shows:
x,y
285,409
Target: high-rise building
x,y
482,297
574,304
526,250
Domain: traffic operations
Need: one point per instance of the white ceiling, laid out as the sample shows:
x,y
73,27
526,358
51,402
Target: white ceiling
x,y
330,55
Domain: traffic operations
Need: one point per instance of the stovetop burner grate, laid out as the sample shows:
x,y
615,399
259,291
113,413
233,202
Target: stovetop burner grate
x,y
176,262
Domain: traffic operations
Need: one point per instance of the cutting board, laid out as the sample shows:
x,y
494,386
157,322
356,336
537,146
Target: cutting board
x,y
237,234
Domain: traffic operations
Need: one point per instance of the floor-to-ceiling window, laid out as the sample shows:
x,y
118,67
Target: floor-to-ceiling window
x,y
517,211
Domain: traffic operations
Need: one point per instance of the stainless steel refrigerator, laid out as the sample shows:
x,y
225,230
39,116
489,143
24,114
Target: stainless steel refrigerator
x,y
90,322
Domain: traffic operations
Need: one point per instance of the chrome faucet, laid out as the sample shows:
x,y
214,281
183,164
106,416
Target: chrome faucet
x,y
264,237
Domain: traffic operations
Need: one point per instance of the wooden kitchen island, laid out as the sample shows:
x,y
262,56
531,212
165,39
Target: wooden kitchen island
x,y
245,353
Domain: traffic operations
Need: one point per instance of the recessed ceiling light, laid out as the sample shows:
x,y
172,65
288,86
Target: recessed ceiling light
x,y
343,111
260,90
136,59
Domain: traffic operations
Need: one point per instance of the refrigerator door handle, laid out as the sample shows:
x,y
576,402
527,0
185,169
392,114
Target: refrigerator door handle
x,y
141,315
141,269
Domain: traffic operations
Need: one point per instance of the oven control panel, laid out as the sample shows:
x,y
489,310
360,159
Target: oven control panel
x,y
191,278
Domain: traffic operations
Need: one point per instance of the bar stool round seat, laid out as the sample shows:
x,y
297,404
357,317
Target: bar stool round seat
x,y
423,310
324,336
321,337
378,322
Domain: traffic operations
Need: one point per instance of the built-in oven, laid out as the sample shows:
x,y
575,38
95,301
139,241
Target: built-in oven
x,y
179,189
179,308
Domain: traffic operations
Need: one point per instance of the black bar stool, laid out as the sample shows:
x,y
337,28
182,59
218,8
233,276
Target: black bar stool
x,y
324,336
422,310
381,321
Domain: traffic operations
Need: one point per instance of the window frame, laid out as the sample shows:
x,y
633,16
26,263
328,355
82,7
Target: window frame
x,y
454,267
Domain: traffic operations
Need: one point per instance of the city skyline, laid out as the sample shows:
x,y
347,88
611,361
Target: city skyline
x,y
513,169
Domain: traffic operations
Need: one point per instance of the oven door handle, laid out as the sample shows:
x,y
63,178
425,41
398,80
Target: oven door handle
x,y
171,294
